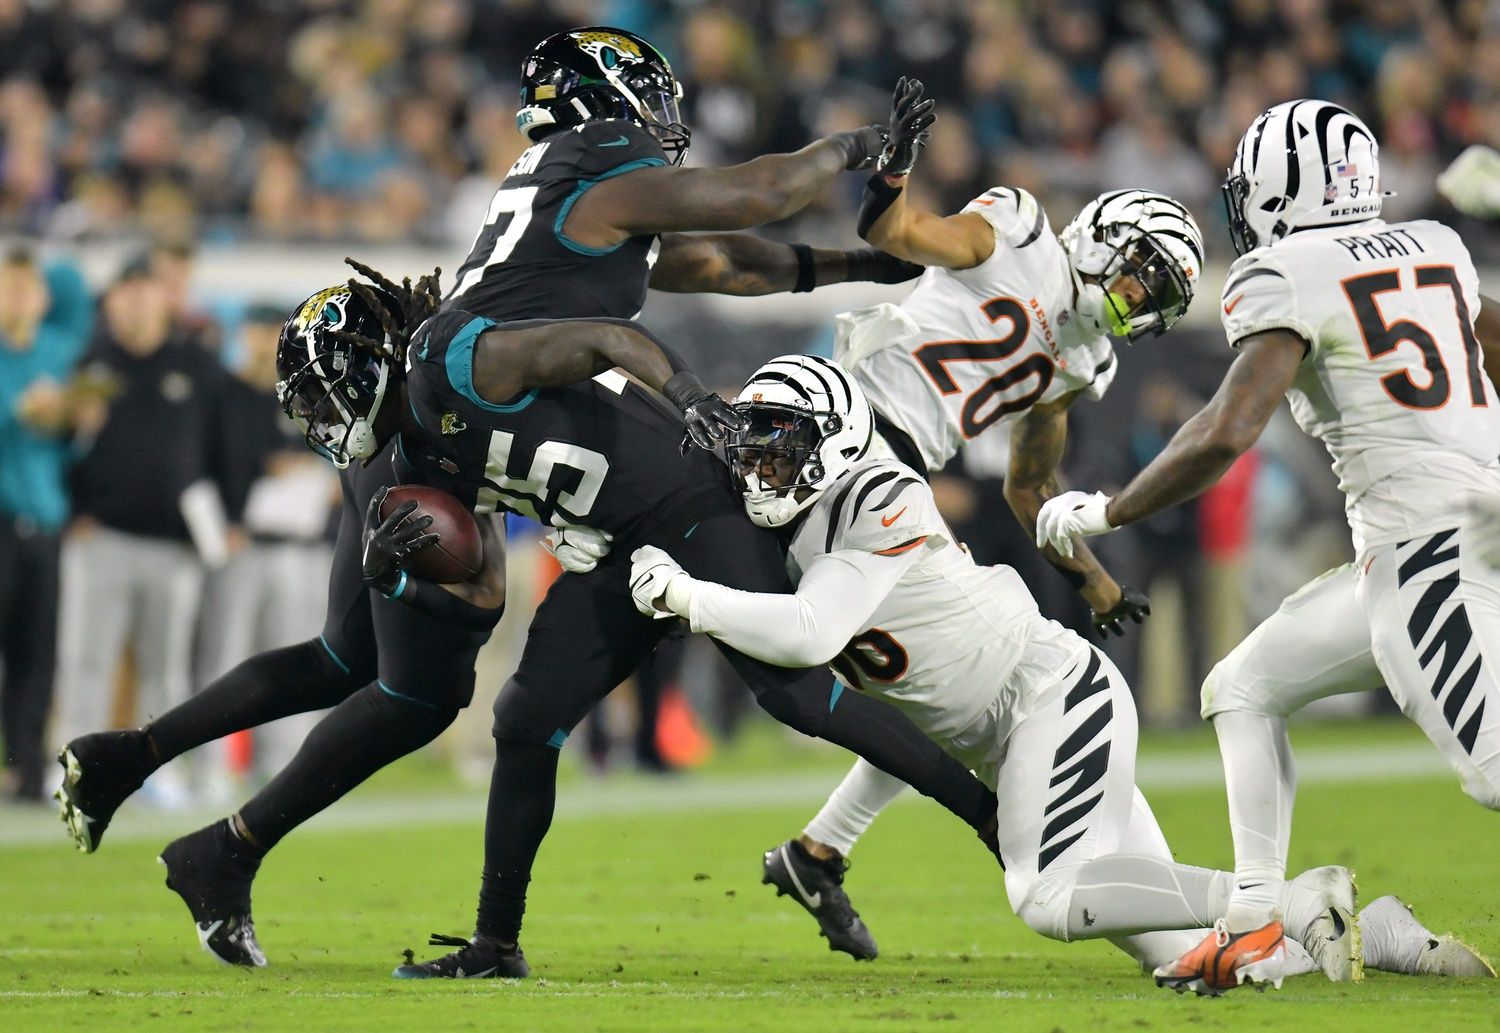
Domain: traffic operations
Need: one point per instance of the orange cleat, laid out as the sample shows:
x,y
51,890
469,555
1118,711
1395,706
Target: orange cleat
x,y
1224,960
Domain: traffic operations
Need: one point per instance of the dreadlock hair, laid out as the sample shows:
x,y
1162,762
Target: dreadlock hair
x,y
416,301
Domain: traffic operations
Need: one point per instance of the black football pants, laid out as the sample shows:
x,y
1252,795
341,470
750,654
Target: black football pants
x,y
587,637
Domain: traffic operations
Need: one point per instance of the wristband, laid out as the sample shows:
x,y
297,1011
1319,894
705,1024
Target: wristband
x,y
807,273
684,389
879,195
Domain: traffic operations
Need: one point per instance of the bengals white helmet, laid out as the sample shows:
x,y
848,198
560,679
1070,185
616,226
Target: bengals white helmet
x,y
1137,232
1301,164
809,420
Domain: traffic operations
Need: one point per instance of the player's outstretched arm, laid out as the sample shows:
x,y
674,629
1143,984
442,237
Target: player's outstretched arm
x,y
959,241
517,357
744,264
1036,450
667,199
836,597
1218,434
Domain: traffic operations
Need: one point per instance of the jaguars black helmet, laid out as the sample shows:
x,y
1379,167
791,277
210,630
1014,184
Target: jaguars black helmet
x,y
595,73
331,386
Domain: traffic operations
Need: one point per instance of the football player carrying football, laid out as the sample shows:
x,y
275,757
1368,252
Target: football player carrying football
x,y
1377,335
887,597
395,659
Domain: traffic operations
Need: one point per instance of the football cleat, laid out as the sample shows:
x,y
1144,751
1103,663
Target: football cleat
x,y
100,771
1395,941
819,887
1225,960
213,878
1319,913
483,957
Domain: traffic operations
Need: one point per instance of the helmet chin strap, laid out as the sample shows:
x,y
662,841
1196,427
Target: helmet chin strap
x,y
361,442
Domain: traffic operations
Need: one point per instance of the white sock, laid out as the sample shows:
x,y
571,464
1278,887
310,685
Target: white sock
x,y
1261,785
863,794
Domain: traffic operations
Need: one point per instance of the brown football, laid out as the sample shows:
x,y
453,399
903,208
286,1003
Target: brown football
x,y
458,553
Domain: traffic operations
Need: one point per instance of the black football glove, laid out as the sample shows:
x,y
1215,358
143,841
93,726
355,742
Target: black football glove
x,y
862,147
911,118
707,418
1132,604
389,544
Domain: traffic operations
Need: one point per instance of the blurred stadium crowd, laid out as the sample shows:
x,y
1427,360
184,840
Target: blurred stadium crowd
x,y
188,127
380,120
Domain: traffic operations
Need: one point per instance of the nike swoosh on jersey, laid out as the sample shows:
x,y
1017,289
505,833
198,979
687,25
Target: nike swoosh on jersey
x,y
1229,308
888,521
621,142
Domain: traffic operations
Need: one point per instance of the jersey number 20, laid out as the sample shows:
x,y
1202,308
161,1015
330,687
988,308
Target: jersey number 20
x,y
979,409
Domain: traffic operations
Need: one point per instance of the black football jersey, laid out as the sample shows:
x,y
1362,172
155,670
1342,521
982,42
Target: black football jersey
x,y
602,453
523,266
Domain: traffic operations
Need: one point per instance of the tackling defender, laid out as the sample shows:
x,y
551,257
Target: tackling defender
x,y
887,597
1377,335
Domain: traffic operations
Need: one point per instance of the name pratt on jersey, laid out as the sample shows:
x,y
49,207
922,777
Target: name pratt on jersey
x,y
1384,244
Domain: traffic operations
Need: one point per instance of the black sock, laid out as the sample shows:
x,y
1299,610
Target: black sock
x,y
360,736
282,682
523,792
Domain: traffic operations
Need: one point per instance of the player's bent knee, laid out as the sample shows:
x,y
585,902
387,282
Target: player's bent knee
x,y
1042,903
795,709
1228,687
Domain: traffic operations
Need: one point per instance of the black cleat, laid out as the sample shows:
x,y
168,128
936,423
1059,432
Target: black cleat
x,y
819,887
212,873
483,957
100,771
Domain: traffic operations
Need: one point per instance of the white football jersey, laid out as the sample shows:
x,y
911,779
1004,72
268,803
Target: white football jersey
x,y
954,645
1393,382
970,348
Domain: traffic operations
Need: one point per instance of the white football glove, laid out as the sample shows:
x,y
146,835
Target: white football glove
x,y
578,549
1071,513
1472,182
651,571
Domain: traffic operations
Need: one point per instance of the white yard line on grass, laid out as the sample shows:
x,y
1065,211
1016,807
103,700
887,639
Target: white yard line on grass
x,y
639,795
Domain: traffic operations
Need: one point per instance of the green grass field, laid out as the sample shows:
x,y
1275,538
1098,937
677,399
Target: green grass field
x,y
647,912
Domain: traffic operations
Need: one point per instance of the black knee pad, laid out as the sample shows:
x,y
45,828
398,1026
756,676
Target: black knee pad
x,y
525,716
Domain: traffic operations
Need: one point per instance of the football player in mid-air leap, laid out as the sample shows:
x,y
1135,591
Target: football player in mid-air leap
x,y
1377,335
1010,325
888,597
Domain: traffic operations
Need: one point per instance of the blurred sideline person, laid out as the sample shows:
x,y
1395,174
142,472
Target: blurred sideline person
x,y
45,315
1377,335
281,498
130,569
887,597
1009,326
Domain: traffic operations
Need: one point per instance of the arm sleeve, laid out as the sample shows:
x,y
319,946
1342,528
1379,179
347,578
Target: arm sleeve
x,y
440,604
835,599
